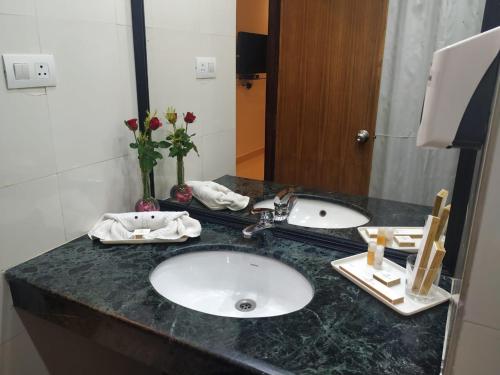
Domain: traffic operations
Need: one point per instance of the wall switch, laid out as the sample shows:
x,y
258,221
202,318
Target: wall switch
x,y
205,67
22,71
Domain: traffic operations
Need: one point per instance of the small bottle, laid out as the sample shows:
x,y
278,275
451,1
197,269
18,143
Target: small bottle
x,y
379,257
370,257
381,239
389,237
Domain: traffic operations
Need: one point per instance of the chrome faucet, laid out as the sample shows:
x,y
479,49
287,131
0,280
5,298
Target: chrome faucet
x,y
283,203
266,221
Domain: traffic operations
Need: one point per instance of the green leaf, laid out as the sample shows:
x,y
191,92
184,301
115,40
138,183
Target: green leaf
x,y
133,145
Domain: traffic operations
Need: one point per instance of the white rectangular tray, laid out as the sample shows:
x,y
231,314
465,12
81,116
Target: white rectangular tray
x,y
141,241
406,249
409,306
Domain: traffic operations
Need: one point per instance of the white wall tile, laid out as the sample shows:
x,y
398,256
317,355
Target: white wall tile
x,y
32,220
18,7
477,351
180,15
10,324
89,192
26,40
20,357
219,154
126,99
123,12
26,147
87,107
218,17
88,10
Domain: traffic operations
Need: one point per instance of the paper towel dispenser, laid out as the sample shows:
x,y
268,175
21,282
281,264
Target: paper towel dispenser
x,y
454,87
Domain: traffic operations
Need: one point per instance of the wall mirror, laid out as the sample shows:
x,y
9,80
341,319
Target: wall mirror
x,y
319,93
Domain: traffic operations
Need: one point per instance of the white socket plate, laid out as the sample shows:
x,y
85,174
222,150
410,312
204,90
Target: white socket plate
x,y
38,70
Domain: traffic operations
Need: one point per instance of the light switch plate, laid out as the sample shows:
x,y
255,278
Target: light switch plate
x,y
205,67
23,70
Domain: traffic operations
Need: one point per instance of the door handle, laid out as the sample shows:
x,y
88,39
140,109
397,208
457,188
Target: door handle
x,y
363,136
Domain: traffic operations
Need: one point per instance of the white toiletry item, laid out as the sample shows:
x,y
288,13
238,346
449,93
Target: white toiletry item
x,y
217,197
165,226
379,257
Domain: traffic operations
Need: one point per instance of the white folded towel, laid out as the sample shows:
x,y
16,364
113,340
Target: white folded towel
x,y
217,197
163,225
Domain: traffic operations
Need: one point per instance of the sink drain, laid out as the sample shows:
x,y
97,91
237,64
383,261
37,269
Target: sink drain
x,y
245,305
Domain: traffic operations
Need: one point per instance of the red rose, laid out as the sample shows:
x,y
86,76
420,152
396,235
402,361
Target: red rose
x,y
132,124
154,123
189,117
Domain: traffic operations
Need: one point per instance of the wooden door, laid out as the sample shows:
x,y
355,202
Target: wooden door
x,y
330,59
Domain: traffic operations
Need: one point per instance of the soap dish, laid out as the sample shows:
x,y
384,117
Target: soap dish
x,y
409,306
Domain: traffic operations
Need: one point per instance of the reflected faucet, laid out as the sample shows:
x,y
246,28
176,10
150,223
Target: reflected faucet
x,y
283,204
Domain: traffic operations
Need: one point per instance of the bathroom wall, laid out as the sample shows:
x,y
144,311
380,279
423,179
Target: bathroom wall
x,y
63,149
251,16
477,332
177,32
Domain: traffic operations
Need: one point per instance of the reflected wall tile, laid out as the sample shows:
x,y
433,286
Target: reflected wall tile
x,y
220,154
179,15
218,17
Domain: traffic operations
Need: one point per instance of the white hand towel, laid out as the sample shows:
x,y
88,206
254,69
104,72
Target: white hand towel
x,y
217,197
163,225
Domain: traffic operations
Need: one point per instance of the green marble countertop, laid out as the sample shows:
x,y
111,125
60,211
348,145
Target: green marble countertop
x,y
343,330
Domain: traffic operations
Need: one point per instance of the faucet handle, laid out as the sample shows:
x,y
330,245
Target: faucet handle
x,y
283,195
266,214
260,210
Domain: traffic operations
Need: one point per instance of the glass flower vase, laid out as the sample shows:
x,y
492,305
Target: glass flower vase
x,y
147,202
181,192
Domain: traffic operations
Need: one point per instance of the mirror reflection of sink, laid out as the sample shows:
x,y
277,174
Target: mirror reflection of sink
x,y
316,213
231,283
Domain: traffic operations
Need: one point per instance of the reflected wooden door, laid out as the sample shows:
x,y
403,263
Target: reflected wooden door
x,y
330,59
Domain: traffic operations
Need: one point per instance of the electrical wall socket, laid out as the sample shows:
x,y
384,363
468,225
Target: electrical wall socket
x,y
22,71
42,70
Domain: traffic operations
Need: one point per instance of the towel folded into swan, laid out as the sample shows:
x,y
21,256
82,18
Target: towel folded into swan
x,y
163,225
217,197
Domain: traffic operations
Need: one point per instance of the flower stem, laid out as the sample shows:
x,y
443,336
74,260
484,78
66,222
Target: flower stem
x,y
146,188
180,170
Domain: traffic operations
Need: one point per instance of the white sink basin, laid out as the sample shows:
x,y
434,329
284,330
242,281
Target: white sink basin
x,y
230,283
315,213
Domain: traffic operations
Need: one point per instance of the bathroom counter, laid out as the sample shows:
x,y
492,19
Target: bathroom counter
x,y
382,212
103,293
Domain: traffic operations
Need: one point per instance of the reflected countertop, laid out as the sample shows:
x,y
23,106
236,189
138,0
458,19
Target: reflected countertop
x,y
103,292
382,212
